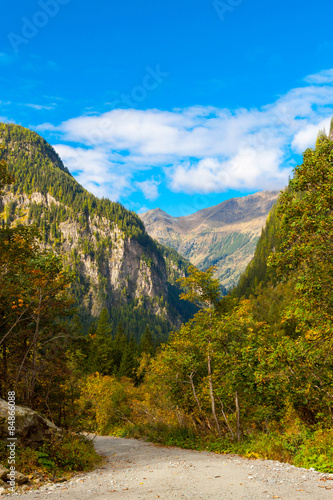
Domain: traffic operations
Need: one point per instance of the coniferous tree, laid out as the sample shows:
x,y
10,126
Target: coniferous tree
x,y
129,360
120,345
101,355
147,343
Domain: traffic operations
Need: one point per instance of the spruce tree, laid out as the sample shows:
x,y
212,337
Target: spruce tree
x,y
101,356
147,343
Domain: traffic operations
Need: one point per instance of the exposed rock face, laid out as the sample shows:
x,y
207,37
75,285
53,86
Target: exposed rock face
x,y
121,275
124,269
31,428
224,235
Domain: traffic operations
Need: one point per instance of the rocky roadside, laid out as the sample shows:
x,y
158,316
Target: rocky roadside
x,y
31,429
24,483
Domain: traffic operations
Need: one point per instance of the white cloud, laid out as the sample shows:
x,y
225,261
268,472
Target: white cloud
x,y
306,137
247,170
94,169
39,106
142,209
46,127
149,189
199,149
325,76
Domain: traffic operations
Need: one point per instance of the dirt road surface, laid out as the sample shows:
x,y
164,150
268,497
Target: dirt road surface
x,y
139,470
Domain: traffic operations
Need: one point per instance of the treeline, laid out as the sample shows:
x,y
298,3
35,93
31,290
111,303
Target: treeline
x,y
38,168
118,353
43,348
34,304
258,271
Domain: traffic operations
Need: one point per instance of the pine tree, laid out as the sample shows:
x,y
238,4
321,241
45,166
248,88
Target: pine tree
x,y
147,343
129,360
103,325
120,344
101,355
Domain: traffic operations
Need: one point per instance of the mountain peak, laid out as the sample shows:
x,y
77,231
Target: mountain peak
x,y
18,139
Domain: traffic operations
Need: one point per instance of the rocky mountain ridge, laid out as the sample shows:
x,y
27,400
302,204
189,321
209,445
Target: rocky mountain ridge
x,y
224,235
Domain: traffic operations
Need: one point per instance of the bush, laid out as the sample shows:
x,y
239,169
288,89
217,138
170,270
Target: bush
x,y
72,453
317,452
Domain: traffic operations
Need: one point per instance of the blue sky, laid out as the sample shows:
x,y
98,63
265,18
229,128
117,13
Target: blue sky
x,y
171,104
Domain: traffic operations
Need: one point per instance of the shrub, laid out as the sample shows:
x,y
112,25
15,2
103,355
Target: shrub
x,y
72,453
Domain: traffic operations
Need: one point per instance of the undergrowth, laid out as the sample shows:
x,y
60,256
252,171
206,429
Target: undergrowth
x,y
58,457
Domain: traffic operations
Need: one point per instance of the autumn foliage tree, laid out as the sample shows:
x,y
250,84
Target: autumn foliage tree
x,y
33,299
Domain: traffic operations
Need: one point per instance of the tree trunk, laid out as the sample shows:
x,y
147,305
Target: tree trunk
x,y
226,421
238,417
31,389
202,416
212,395
195,394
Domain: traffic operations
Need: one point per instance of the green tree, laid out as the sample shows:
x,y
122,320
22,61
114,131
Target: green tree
x,y
33,298
147,343
5,177
204,290
129,361
201,288
306,255
101,356
120,345
305,259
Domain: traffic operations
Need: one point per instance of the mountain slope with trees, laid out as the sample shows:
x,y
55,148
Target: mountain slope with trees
x,y
250,373
116,263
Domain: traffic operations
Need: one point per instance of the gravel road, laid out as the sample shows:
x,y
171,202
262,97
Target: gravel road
x,y
139,470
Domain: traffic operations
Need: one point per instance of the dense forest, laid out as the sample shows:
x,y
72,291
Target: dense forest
x,y
250,372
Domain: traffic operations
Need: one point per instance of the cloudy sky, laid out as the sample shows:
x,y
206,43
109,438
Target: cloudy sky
x,y
172,104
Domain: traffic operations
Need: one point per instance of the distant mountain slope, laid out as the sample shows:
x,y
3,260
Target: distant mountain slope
x,y
117,264
224,235
257,271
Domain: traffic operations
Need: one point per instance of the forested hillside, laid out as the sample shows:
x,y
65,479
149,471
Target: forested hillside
x,y
116,264
257,272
